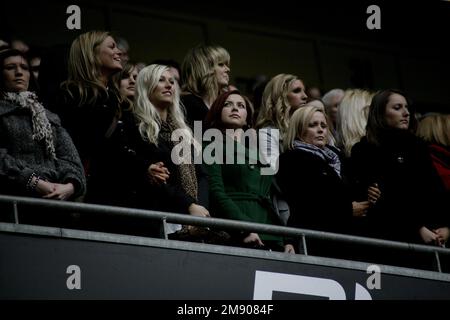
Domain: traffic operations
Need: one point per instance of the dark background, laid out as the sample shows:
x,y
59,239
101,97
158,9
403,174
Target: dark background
x,y
327,44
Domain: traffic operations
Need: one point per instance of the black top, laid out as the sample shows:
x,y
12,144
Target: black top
x,y
411,192
196,109
317,196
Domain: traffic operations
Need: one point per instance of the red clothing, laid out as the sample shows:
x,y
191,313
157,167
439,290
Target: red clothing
x,y
441,161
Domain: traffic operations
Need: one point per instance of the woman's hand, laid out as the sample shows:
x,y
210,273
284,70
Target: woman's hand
x,y
427,235
289,248
253,238
360,208
442,235
157,173
373,193
43,187
61,191
198,210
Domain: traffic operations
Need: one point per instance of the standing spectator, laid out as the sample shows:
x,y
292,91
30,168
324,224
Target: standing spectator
x,y
398,162
281,97
174,68
332,99
159,115
310,177
125,80
37,156
204,74
238,190
91,113
435,129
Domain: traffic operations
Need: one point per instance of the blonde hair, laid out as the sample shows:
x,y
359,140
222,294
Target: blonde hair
x,y
435,128
198,70
298,124
84,67
149,121
275,108
352,117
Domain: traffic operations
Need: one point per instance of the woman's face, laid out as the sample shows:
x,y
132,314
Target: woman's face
x,y
162,96
222,74
109,56
128,84
16,74
234,112
316,131
296,95
397,113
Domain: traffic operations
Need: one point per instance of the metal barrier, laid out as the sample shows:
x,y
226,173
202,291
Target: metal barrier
x,y
165,217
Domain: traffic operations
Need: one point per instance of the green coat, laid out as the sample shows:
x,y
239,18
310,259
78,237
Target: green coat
x,y
239,191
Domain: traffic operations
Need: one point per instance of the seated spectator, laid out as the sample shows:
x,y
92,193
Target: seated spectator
x,y
238,190
37,156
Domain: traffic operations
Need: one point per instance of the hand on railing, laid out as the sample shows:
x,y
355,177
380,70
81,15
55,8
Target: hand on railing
x,y
61,191
198,210
289,248
253,238
442,235
428,236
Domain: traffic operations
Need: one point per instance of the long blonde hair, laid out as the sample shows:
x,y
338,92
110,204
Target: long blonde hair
x,y
435,128
275,108
298,123
198,70
149,121
84,67
352,117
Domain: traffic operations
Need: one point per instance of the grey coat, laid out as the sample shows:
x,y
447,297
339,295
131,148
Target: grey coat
x,y
20,155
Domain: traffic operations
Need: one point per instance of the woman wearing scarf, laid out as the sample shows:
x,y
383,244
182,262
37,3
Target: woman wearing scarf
x,y
170,183
37,156
310,177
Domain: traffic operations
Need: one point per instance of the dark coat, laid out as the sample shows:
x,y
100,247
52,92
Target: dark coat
x,y
317,196
196,109
169,197
21,155
412,193
100,135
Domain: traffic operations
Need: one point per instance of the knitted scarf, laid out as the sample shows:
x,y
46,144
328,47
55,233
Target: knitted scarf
x,y
186,172
42,130
326,154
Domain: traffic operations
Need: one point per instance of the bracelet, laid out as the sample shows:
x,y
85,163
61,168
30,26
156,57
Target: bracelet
x,y
30,179
34,185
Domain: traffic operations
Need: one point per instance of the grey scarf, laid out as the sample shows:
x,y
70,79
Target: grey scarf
x,y
328,155
42,130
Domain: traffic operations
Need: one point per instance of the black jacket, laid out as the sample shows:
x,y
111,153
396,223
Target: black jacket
x,y
317,196
412,194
